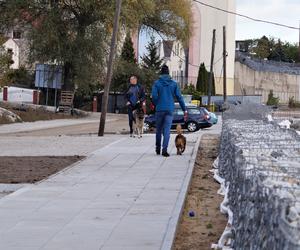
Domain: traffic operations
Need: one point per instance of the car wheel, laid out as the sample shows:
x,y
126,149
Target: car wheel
x,y
192,127
147,127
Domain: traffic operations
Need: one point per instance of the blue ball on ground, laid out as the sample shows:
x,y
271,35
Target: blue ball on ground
x,y
192,214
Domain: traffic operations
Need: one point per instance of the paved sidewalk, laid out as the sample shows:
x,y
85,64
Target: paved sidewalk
x,y
120,197
53,145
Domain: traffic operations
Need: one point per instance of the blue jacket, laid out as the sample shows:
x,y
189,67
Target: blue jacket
x,y
164,91
134,94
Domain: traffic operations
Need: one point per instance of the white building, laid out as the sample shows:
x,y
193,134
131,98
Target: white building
x,y
18,47
173,54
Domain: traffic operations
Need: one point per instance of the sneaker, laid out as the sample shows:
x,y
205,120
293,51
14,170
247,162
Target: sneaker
x,y
157,151
165,154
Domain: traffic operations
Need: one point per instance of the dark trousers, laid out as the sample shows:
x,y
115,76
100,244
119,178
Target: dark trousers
x,y
130,117
163,122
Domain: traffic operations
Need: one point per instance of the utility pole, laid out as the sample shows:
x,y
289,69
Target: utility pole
x,y
299,41
211,68
110,68
224,65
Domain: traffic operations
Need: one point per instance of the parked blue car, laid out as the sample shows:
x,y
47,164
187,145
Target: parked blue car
x,y
213,118
198,118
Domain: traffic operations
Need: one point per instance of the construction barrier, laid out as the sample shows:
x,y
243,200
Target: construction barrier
x,y
259,170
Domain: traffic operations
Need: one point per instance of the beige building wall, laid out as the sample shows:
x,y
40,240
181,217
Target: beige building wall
x,y
213,19
251,82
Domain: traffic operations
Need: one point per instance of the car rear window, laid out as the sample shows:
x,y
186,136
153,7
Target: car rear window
x,y
179,112
194,111
205,111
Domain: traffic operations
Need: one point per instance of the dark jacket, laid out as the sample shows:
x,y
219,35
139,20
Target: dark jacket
x,y
164,91
134,94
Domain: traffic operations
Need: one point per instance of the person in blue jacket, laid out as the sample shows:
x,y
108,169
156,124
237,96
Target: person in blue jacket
x,y
164,91
135,95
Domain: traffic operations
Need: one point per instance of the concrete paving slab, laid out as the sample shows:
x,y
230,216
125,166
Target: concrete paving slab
x,y
122,196
53,146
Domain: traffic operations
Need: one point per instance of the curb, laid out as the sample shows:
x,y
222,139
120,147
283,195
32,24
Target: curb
x,y
170,234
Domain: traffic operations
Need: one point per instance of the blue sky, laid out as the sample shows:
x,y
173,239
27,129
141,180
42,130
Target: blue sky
x,y
281,11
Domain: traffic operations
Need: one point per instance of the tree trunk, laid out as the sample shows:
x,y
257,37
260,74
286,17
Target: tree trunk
x,y
68,77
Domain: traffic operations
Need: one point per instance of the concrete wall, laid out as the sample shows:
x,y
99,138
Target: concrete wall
x,y
20,95
251,82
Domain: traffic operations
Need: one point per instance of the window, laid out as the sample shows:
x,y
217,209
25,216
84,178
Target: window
x,y
205,111
179,112
194,111
10,53
17,34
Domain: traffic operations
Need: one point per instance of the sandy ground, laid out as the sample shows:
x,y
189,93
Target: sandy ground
x,y
208,224
115,124
32,169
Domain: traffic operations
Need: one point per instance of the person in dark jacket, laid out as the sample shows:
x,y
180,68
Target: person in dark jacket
x,y
135,95
164,91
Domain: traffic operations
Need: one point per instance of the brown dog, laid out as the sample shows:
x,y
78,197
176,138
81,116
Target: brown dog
x,y
180,140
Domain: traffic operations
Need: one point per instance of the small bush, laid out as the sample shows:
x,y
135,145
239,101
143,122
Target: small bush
x,y
272,101
18,77
293,103
191,90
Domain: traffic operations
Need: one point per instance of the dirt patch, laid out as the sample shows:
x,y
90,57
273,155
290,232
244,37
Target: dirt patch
x,y
31,169
207,224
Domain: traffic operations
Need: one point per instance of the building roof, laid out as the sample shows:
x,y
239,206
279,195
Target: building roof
x,y
21,43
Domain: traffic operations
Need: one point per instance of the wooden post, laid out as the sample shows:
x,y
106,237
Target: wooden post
x,y
5,94
211,68
35,97
224,65
110,68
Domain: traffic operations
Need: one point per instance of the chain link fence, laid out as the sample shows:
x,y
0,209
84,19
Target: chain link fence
x,y
259,163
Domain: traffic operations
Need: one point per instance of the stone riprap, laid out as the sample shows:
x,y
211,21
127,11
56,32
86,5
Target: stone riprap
x,y
260,165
